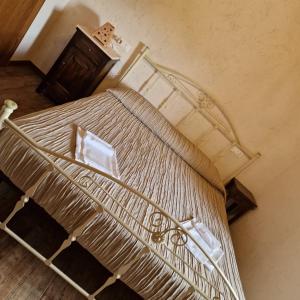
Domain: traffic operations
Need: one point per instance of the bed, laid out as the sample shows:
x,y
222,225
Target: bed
x,y
132,225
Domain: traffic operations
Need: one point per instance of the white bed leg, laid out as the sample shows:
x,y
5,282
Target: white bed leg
x,y
7,109
43,259
73,236
19,205
25,198
121,271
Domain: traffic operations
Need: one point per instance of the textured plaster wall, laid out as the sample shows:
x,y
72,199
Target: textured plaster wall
x,y
246,54
267,241
42,20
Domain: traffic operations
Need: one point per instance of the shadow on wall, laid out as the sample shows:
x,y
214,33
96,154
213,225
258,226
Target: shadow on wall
x,y
57,32
112,80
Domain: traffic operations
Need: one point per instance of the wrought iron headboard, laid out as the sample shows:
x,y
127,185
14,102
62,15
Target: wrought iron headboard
x,y
230,156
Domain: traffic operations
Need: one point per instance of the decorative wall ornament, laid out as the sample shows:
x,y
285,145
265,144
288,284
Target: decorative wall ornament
x,y
104,34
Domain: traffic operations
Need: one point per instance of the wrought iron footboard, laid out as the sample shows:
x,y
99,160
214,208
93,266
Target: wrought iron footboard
x,y
156,230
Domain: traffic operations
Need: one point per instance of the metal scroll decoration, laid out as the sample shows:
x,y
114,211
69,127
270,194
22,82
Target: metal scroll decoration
x,y
160,226
85,181
204,101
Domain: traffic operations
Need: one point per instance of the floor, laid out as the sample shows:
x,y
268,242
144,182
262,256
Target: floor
x,y
18,82
22,276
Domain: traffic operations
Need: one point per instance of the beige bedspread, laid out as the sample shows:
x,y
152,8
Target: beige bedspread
x,y
153,158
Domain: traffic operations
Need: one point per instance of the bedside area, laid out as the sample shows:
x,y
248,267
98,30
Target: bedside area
x,y
79,69
239,200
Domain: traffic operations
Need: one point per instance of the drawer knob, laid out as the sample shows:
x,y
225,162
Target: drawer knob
x,y
90,49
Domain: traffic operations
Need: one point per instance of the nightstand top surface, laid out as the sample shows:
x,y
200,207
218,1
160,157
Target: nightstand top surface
x,y
107,50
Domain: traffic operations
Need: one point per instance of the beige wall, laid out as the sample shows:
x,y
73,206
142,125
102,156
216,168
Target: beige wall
x,y
36,30
243,53
246,54
267,241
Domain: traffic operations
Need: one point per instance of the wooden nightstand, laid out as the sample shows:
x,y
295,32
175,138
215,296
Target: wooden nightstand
x,y
239,200
79,69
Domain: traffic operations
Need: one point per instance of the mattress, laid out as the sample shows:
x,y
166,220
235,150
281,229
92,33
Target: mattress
x,y
153,158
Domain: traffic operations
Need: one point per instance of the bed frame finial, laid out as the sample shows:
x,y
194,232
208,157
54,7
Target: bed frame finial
x,y
7,109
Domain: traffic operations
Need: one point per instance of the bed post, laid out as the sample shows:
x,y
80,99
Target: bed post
x,y
7,109
140,55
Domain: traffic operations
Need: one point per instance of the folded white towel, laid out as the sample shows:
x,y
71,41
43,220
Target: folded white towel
x,y
206,240
95,152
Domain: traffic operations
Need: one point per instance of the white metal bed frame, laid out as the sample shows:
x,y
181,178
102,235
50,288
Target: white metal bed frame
x,y
190,91
161,232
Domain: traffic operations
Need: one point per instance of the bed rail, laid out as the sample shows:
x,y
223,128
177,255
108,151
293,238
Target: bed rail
x,y
157,232
192,111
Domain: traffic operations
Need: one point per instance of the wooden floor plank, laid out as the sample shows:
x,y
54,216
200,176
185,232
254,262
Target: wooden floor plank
x,y
19,82
25,277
